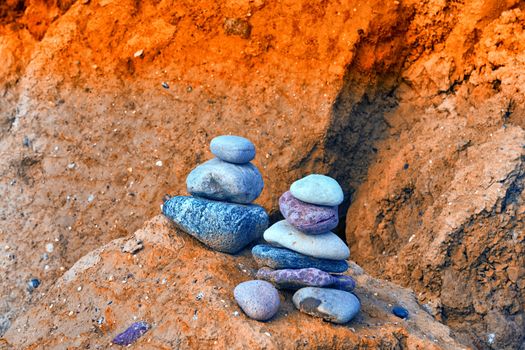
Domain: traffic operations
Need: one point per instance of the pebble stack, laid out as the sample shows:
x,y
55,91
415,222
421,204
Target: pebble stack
x,y
219,212
303,254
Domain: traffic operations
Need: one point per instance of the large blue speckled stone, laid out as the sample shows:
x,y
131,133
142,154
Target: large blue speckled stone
x,y
223,181
233,149
225,227
332,305
281,258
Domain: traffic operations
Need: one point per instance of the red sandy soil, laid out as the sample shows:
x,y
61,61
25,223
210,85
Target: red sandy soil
x,y
409,105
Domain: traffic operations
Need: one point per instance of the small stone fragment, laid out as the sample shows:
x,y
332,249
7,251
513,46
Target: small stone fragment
x,y
33,284
50,247
165,85
237,26
258,299
133,246
132,334
400,311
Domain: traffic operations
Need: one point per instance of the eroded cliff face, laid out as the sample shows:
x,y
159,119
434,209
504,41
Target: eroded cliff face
x,y
410,105
441,208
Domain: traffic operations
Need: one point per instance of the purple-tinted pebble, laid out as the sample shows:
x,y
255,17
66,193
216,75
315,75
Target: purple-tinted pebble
x,y
308,218
296,278
258,299
343,282
130,335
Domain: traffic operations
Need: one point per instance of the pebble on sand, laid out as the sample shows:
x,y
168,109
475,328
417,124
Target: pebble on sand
x,y
332,305
400,311
258,299
132,334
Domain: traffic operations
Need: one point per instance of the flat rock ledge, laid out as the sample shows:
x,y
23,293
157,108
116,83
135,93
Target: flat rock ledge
x,y
185,292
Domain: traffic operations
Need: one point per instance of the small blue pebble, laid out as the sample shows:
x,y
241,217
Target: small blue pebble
x,y
33,284
400,311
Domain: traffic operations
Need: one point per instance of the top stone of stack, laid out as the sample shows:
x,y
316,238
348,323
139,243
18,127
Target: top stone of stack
x,y
318,189
233,149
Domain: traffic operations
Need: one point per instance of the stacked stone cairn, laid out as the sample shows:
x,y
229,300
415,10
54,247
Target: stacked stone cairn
x,y
304,255
219,212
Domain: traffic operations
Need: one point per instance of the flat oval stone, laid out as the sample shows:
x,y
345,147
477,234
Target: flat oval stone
x,y
223,181
281,258
225,227
308,218
323,246
332,305
400,311
343,282
258,299
318,189
296,278
233,149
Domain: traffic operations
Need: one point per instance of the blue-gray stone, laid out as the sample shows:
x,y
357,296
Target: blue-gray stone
x,y
33,284
281,258
225,227
223,181
332,305
233,149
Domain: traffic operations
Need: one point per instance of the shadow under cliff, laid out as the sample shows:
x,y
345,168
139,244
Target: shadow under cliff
x,y
367,95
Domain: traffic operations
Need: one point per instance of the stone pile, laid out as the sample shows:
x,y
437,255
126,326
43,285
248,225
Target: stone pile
x,y
304,255
219,213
